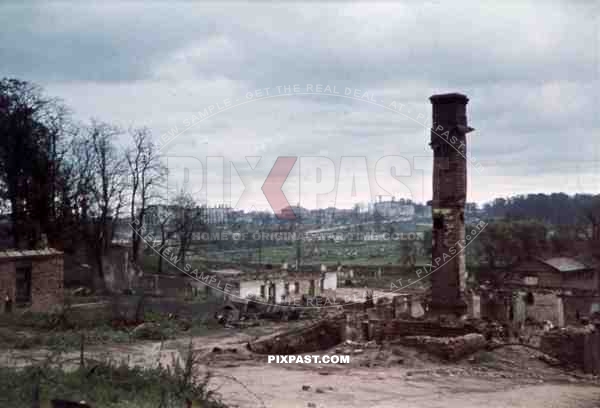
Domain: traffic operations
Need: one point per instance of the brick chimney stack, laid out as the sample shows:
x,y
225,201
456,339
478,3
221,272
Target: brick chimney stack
x,y
449,145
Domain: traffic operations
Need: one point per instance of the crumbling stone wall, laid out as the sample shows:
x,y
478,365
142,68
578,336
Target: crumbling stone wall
x,y
577,306
574,347
119,273
388,330
167,285
47,287
448,348
321,336
7,281
252,288
393,329
546,306
567,345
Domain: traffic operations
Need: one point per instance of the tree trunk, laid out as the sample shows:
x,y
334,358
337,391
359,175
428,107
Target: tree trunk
x,y
160,262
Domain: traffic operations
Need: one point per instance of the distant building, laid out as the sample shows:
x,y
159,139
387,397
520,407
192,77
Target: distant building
x,y
288,214
220,214
553,273
273,286
392,209
558,289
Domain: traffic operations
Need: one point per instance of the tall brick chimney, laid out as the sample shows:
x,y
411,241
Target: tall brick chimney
x,y
449,145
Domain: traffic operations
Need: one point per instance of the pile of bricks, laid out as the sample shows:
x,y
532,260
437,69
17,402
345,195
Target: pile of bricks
x,y
320,336
448,348
568,345
392,329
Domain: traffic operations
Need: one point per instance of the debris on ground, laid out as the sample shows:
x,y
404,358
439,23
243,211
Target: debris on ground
x,y
448,348
148,331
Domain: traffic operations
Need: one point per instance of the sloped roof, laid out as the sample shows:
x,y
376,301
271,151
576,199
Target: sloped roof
x,y
564,264
227,272
16,253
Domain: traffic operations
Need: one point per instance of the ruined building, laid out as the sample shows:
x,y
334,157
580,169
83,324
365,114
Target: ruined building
x,y
32,279
449,145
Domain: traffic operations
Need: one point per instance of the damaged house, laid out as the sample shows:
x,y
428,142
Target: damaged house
x,y
31,279
277,286
561,290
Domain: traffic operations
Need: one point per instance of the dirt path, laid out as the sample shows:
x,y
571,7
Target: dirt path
x,y
387,388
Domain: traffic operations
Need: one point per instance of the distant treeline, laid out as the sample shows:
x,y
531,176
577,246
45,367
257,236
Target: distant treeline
x,y
555,208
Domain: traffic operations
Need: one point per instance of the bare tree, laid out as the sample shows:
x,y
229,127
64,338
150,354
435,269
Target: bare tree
x,y
99,188
165,221
188,219
145,171
160,221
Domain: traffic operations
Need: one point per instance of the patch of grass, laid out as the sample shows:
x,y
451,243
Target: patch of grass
x,y
71,339
59,328
485,358
64,340
64,328
107,385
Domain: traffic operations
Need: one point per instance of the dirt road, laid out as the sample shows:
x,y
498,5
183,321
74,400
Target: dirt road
x,y
279,387
510,378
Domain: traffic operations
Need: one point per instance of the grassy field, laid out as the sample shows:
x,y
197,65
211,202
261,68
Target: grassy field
x,y
330,253
412,239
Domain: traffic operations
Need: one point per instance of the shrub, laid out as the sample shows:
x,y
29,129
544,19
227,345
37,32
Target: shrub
x,y
109,385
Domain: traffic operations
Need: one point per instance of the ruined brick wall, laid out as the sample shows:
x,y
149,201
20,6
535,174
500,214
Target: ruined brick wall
x,y
495,307
370,270
47,283
304,288
172,285
448,348
393,329
7,281
320,336
578,306
252,288
574,347
546,306
567,345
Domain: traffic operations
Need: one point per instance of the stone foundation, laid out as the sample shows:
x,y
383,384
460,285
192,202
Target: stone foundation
x,y
448,348
566,345
320,336
393,329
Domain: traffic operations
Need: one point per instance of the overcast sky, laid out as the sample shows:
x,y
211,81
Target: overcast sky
x,y
530,69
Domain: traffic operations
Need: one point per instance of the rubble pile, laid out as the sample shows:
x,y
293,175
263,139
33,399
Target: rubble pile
x,y
568,345
393,329
320,336
350,347
448,348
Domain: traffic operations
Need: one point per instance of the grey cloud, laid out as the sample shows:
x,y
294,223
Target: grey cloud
x,y
529,68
